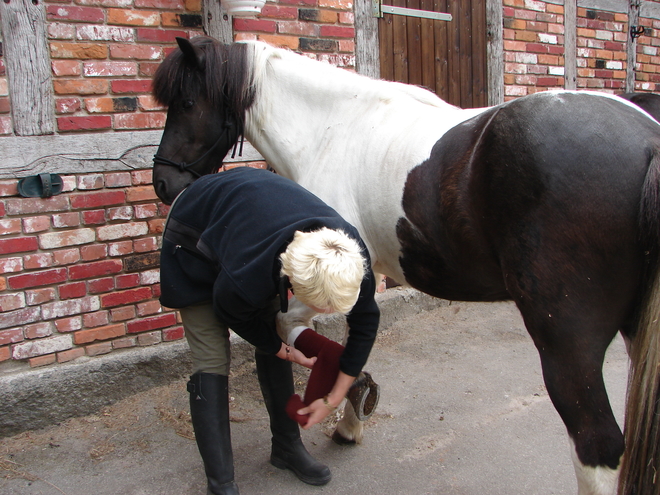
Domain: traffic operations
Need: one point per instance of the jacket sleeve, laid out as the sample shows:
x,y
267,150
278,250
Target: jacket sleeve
x,y
246,320
362,328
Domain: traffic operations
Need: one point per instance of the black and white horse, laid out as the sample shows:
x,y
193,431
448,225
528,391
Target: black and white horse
x,y
551,200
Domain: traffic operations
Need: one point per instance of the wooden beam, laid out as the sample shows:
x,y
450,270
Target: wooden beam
x,y
367,59
28,66
495,51
631,45
570,44
216,22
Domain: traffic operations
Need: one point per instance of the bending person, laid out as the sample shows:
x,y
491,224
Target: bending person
x,y
226,243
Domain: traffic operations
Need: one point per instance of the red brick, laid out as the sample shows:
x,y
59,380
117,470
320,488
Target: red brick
x,y
70,307
121,248
70,355
39,296
150,338
8,187
5,106
175,333
130,86
243,24
18,245
12,301
98,349
5,353
11,265
95,200
127,281
122,314
159,35
66,256
69,291
119,179
109,69
94,252
125,297
141,193
156,226
66,67
93,181
145,245
154,323
37,279
11,336
10,226
91,320
149,308
67,105
69,13
35,362
36,224
120,213
84,123
38,260
77,51
135,52
73,237
124,343
101,285
126,17
27,206
100,333
65,325
337,32
146,211
142,177
93,217
160,4
63,220
38,330
80,87
155,120
95,269
279,12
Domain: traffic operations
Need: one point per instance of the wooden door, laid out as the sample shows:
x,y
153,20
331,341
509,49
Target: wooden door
x,y
447,57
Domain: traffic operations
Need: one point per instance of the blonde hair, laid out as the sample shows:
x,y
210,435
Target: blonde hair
x,y
325,268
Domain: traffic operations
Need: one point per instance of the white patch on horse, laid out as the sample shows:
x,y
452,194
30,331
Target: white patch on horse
x,y
601,95
382,128
600,480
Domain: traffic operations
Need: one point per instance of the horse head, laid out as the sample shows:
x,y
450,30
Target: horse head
x,y
205,85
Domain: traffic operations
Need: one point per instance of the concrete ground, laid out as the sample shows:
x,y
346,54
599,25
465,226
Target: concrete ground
x,y
463,411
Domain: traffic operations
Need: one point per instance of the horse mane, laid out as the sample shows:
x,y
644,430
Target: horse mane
x,y
224,78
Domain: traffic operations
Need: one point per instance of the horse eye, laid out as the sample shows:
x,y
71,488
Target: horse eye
x,y
188,103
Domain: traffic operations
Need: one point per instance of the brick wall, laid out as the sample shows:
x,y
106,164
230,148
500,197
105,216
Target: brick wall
x,y
79,271
534,49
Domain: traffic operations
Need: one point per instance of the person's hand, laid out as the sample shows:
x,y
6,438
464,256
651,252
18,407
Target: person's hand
x,y
290,353
317,412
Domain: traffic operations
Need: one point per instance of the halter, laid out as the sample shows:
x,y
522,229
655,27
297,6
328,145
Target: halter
x,y
187,167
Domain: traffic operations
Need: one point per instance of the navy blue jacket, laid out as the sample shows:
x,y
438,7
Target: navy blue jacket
x,y
222,243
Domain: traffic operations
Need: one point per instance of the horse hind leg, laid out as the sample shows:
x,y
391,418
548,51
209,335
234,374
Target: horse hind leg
x,y
573,377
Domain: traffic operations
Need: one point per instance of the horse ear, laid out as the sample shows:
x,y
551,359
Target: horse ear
x,y
193,54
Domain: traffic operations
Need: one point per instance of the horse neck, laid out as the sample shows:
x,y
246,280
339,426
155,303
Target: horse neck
x,y
308,117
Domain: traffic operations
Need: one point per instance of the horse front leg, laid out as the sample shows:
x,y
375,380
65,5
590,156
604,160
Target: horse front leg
x,y
349,430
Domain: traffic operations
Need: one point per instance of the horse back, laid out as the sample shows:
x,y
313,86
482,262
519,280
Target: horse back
x,y
540,185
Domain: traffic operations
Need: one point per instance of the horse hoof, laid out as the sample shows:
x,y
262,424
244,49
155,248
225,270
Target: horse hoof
x,y
340,439
364,396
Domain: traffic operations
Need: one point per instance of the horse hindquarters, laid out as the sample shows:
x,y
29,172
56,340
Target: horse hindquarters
x,y
640,472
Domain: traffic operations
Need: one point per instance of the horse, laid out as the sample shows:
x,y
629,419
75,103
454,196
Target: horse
x,y
650,102
550,200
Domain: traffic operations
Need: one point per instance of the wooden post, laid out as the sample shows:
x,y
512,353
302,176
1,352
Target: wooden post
x,y
570,44
28,66
217,23
367,56
631,45
495,51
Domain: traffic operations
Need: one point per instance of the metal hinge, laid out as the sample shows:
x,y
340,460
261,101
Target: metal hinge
x,y
378,9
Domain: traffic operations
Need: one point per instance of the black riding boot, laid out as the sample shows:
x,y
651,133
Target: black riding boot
x,y
209,409
288,452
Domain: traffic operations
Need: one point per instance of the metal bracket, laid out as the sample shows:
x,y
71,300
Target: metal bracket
x,y
378,9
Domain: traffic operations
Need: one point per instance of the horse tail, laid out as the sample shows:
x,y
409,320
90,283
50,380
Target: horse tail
x,y
640,470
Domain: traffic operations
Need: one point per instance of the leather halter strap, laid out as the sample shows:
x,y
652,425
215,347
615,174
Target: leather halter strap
x,y
187,167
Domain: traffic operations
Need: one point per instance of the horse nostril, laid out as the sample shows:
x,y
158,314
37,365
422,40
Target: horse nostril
x,y
161,191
